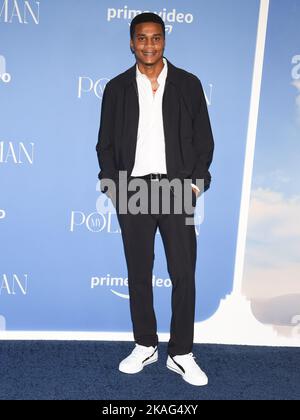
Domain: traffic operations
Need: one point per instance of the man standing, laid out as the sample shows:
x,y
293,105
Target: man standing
x,y
155,126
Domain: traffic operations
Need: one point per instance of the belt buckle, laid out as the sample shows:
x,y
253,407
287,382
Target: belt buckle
x,y
154,177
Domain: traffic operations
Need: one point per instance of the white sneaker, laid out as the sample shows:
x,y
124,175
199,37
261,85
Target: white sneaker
x,y
186,366
140,356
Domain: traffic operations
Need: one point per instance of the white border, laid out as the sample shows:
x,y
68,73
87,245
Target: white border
x,y
72,336
250,145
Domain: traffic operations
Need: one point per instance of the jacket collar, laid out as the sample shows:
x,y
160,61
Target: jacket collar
x,y
172,76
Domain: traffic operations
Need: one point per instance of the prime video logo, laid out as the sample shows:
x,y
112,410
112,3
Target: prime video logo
x,y
116,282
4,76
169,17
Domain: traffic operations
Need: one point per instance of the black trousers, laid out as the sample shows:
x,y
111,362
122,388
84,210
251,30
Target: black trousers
x,y
179,240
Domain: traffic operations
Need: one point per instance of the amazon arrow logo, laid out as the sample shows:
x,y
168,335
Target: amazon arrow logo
x,y
121,295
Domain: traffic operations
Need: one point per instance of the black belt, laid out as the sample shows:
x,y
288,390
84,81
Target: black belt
x,y
153,177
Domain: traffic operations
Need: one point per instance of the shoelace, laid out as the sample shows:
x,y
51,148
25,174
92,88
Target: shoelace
x,y
137,351
193,358
191,361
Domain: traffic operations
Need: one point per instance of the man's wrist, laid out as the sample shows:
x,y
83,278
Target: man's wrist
x,y
195,187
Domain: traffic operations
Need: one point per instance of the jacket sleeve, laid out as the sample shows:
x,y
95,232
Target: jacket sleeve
x,y
203,141
105,147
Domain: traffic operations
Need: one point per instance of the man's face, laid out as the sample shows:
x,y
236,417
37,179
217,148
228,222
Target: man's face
x,y
148,43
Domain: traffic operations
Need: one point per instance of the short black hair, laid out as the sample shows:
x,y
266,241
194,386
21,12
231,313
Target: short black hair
x,y
146,17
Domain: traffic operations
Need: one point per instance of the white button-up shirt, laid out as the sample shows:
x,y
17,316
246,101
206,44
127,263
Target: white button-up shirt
x,y
150,154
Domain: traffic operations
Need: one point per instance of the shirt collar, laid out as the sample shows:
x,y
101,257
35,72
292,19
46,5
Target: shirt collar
x,y
162,75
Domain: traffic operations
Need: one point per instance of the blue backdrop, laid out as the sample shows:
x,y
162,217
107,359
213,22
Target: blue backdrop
x,y
55,59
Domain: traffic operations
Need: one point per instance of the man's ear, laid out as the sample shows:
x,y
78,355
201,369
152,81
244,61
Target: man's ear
x,y
131,47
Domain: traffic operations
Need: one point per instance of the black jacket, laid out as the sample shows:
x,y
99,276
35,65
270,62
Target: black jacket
x,y
188,136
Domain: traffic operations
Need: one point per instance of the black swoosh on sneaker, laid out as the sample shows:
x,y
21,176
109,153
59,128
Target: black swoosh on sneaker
x,y
177,364
150,356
